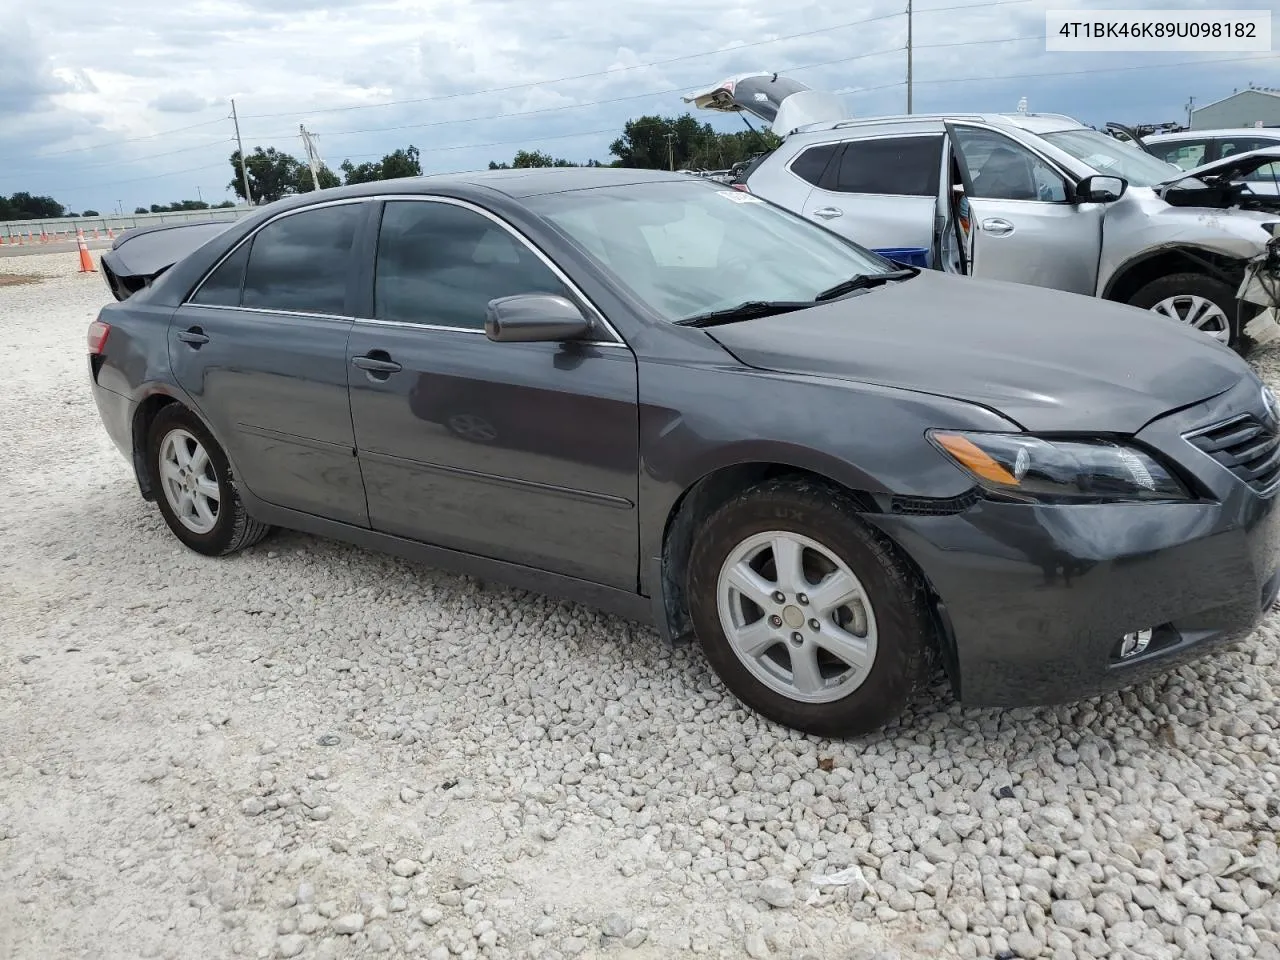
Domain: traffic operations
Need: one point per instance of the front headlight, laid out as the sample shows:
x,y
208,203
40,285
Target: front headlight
x,y
1028,468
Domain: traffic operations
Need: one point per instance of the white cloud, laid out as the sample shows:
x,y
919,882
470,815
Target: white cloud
x,y
90,92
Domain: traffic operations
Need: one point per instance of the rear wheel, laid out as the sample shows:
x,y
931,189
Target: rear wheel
x,y
1196,299
808,616
192,477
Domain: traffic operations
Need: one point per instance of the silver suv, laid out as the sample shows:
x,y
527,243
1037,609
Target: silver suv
x,y
1031,198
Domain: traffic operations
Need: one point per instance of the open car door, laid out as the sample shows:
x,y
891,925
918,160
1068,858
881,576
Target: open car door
x,y
784,104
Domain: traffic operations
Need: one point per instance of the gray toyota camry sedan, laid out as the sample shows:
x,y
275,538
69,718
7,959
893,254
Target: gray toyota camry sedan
x,y
674,401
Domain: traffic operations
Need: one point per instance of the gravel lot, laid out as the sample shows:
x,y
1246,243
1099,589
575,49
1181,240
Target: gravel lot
x,y
311,750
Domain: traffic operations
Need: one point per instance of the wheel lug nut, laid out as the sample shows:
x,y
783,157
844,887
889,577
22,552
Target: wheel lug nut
x,y
779,596
814,625
796,639
775,621
802,598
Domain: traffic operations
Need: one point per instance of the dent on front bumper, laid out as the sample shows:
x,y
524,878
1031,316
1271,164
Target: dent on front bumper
x,y
1037,599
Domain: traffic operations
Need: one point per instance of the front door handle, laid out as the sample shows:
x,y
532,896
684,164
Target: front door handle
x,y
377,364
828,213
997,227
194,336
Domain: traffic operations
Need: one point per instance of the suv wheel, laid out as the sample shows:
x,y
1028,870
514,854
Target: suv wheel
x,y
807,615
1204,302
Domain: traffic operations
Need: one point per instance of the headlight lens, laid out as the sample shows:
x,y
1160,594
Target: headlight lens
x,y
1030,468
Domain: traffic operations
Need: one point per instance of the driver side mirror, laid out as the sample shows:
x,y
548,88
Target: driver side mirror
x,y
535,318
1101,189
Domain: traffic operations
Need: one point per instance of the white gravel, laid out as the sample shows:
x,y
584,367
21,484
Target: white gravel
x,y
314,751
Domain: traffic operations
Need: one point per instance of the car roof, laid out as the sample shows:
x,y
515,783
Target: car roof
x,y
1220,132
1036,123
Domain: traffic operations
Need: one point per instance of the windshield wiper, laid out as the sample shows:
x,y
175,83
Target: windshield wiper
x,y
747,310
862,281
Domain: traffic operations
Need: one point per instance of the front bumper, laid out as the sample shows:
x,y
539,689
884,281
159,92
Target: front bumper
x,y
1037,599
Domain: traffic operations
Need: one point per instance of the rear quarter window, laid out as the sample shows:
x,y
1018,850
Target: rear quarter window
x,y
812,163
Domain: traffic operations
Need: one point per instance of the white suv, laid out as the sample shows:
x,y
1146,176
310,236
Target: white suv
x,y
1193,148
1030,198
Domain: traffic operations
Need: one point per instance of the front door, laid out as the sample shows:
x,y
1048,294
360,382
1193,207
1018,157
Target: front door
x,y
261,347
523,452
1016,221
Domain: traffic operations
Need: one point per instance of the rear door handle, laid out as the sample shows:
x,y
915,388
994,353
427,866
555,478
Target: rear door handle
x,y
194,336
997,227
828,213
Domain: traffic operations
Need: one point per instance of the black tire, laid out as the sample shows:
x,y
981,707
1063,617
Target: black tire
x,y
905,643
234,529
1222,295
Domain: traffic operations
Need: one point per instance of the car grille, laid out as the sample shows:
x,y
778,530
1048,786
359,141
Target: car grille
x,y
1247,447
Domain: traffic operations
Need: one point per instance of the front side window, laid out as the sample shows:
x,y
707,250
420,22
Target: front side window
x,y
300,263
1267,174
441,264
1185,153
1002,169
684,248
897,166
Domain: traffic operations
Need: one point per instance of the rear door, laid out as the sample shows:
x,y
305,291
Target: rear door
x,y
1021,224
1184,153
881,192
1265,179
261,348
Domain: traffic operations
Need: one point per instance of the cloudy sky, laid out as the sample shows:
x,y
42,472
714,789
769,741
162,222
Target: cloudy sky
x,y
128,101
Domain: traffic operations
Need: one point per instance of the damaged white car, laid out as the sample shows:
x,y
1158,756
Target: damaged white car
x,y
1031,198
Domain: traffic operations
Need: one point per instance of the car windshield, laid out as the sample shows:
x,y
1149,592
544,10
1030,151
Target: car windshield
x,y
687,248
1112,157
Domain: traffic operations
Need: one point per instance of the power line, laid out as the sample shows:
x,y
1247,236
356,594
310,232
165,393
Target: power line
x,y
587,76
113,143
1134,66
116,163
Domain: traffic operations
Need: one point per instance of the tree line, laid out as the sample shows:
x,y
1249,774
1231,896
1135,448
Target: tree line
x,y
648,142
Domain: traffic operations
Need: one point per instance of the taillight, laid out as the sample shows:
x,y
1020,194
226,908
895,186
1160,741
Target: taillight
x,y
740,186
98,337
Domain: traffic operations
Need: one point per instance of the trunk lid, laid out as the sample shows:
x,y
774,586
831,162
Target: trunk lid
x,y
781,102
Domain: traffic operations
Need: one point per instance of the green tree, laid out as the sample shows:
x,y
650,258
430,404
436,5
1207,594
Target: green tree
x,y
660,143
272,174
24,206
91,213
537,158
404,162
141,210
326,177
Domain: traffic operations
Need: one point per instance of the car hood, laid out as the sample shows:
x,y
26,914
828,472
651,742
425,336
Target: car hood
x,y
1047,360
781,102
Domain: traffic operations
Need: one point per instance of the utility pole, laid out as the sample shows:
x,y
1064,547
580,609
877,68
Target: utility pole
x,y
1191,102
313,155
244,172
909,25
199,195
671,151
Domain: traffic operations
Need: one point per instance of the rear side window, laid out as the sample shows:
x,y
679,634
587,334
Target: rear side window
x,y
222,287
299,263
811,164
899,166
1185,153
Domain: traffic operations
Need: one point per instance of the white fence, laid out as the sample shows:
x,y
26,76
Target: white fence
x,y
11,230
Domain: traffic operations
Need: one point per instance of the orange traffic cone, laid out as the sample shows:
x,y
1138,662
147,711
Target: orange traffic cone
x,y
95,234
86,260
110,235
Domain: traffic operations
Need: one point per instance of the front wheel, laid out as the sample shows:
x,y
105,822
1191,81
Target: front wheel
x,y
808,616
1197,300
